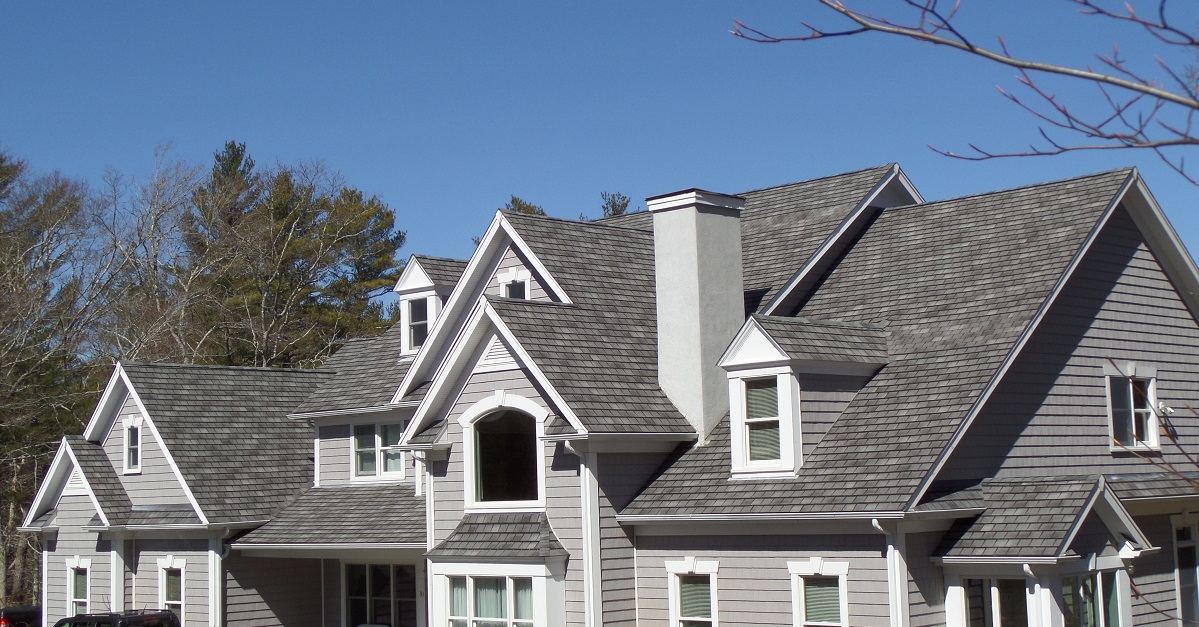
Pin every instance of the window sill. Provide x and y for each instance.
(504, 506)
(397, 478)
(131, 471)
(1139, 448)
(762, 473)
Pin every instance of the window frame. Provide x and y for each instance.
(1133, 371)
(471, 609)
(789, 421)
(417, 590)
(169, 563)
(128, 423)
(1097, 576)
(74, 564)
(501, 401)
(432, 309)
(380, 474)
(515, 275)
(818, 568)
(689, 566)
(1190, 522)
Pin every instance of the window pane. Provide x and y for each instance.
(419, 333)
(364, 437)
(1111, 601)
(458, 596)
(356, 580)
(405, 595)
(523, 606)
(79, 588)
(1140, 394)
(393, 461)
(978, 596)
(132, 462)
(763, 440)
(174, 584)
(1188, 583)
(1121, 410)
(761, 398)
(380, 581)
(418, 310)
(695, 596)
(491, 597)
(1013, 603)
(391, 434)
(506, 455)
(516, 289)
(366, 463)
(822, 600)
(357, 611)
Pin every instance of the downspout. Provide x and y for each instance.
(217, 552)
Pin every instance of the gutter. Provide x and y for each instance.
(250, 524)
(346, 412)
(242, 546)
(664, 519)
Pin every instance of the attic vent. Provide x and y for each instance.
(496, 357)
(75, 484)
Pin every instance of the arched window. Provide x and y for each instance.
(506, 457)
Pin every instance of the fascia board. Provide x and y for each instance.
(982, 399)
(350, 412)
(51, 484)
(241, 546)
(903, 179)
(166, 452)
(832, 240)
(1109, 503)
(542, 272)
(984, 560)
(486, 256)
(108, 406)
(413, 279)
(1082, 517)
(674, 519)
(1164, 243)
(751, 325)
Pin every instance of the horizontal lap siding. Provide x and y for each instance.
(1119, 306)
(621, 477)
(157, 483)
(512, 260)
(754, 584)
(73, 512)
(822, 398)
(926, 582)
(335, 454)
(144, 564)
(268, 591)
(1154, 599)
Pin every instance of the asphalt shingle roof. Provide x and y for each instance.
(1154, 485)
(228, 431)
(1024, 518)
(805, 339)
(509, 535)
(368, 514)
(955, 282)
(367, 373)
(102, 477)
(442, 270)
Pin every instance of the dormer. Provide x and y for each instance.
(423, 289)
(767, 363)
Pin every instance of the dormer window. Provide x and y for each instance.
(132, 444)
(376, 452)
(417, 313)
(514, 283)
(764, 409)
(762, 419)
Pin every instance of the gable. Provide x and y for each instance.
(514, 266)
(156, 483)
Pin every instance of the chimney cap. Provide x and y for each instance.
(693, 197)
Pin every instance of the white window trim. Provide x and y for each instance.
(380, 475)
(549, 592)
(499, 401)
(178, 563)
(1178, 521)
(126, 423)
(1132, 370)
(790, 429)
(432, 309)
(691, 565)
(85, 563)
(818, 567)
(515, 275)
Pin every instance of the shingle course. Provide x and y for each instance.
(509, 535)
(366, 374)
(372, 514)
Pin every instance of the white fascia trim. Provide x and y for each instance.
(413, 282)
(741, 337)
(1164, 243)
(54, 477)
(981, 401)
(671, 519)
(488, 250)
(836, 237)
(542, 272)
(95, 429)
(980, 560)
(1099, 488)
(240, 546)
(1123, 516)
(149, 422)
(350, 412)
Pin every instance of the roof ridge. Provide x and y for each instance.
(440, 258)
(932, 203)
(599, 222)
(819, 178)
(169, 364)
(870, 326)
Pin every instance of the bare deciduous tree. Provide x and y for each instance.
(1140, 111)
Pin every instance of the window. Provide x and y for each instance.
(1130, 405)
(515, 289)
(1090, 600)
(376, 450)
(996, 603)
(1186, 555)
(762, 419)
(132, 434)
(490, 601)
(818, 593)
(171, 592)
(514, 283)
(506, 457)
(418, 322)
(78, 586)
(693, 593)
(382, 594)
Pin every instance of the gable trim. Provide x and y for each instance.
(413, 279)
(56, 477)
(1027, 334)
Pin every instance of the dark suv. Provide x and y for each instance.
(132, 618)
(24, 616)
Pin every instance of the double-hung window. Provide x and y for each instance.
(1091, 600)
(418, 322)
(764, 415)
(172, 591)
(1186, 556)
(78, 583)
(383, 594)
(762, 419)
(131, 432)
(490, 601)
(376, 451)
(1133, 419)
(693, 601)
(996, 602)
(818, 592)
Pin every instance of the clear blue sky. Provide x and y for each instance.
(445, 109)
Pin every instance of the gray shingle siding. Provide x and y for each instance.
(1155, 601)
(73, 512)
(273, 591)
(926, 582)
(143, 563)
(510, 260)
(157, 483)
(621, 476)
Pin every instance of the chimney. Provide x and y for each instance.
(701, 305)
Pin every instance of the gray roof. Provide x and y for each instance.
(102, 477)
(1154, 485)
(956, 282)
(442, 270)
(367, 373)
(515, 535)
(818, 340)
(228, 431)
(1025, 518)
(366, 514)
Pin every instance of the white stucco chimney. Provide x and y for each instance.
(701, 305)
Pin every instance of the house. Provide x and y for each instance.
(823, 403)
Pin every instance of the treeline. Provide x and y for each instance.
(233, 265)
